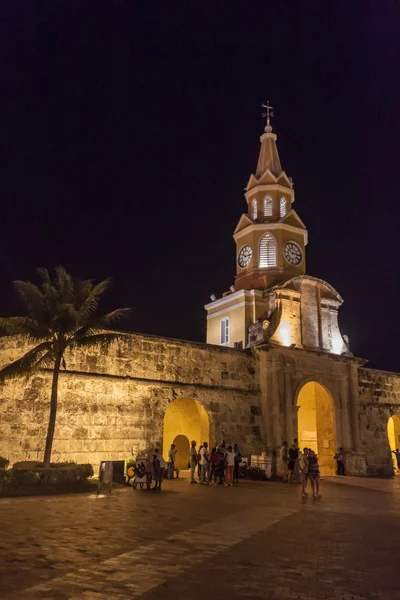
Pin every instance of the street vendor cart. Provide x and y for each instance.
(141, 473)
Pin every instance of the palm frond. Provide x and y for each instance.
(90, 304)
(112, 317)
(95, 340)
(82, 289)
(32, 297)
(65, 285)
(25, 364)
(48, 290)
(23, 326)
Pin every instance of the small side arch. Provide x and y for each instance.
(187, 418)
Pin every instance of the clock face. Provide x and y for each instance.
(244, 256)
(293, 253)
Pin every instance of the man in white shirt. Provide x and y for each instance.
(205, 464)
(171, 461)
(159, 468)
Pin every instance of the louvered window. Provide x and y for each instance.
(225, 330)
(268, 206)
(283, 207)
(254, 209)
(267, 251)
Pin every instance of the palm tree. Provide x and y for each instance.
(61, 314)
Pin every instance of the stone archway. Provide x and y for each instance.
(184, 418)
(393, 430)
(317, 424)
(182, 446)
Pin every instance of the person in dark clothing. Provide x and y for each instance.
(214, 465)
(313, 473)
(339, 457)
(293, 455)
(397, 455)
(238, 460)
(221, 464)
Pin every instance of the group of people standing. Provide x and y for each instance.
(220, 465)
(293, 466)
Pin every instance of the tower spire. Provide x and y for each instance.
(269, 157)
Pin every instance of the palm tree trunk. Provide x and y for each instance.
(53, 412)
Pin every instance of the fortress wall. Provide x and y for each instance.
(379, 400)
(112, 400)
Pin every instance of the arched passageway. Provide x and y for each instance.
(317, 424)
(185, 420)
(182, 446)
(393, 429)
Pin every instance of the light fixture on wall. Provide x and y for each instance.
(285, 335)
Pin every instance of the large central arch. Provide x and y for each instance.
(317, 424)
(185, 420)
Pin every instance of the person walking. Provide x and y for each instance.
(222, 463)
(238, 460)
(397, 455)
(193, 460)
(302, 462)
(230, 466)
(293, 455)
(313, 473)
(159, 468)
(214, 464)
(198, 462)
(339, 457)
(205, 464)
(282, 462)
(296, 464)
(171, 461)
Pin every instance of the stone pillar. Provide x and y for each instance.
(353, 385)
(344, 413)
(275, 401)
(266, 394)
(288, 406)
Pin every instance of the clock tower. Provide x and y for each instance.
(273, 301)
(270, 238)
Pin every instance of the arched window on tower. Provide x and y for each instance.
(254, 209)
(267, 251)
(225, 331)
(283, 207)
(268, 206)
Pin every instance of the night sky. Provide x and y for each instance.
(129, 130)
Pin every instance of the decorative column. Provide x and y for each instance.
(344, 412)
(276, 406)
(353, 385)
(288, 406)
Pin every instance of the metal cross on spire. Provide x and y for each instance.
(269, 112)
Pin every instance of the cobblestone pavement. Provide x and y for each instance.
(256, 540)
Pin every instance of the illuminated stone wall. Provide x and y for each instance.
(379, 400)
(112, 400)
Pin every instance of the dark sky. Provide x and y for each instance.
(129, 130)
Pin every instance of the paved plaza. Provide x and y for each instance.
(256, 540)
